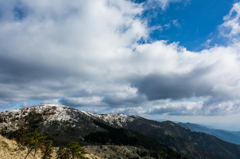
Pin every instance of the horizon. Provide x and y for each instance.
(160, 59)
(211, 126)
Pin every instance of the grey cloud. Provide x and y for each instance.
(131, 110)
(54, 52)
(208, 107)
(173, 111)
(218, 106)
(52, 101)
(82, 101)
(6, 104)
(111, 100)
(70, 103)
(175, 86)
(115, 101)
(75, 54)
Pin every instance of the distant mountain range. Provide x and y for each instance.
(229, 136)
(166, 139)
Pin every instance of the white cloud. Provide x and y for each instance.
(87, 52)
(68, 44)
(196, 108)
(51, 101)
(131, 111)
(231, 28)
(83, 101)
(98, 110)
(163, 3)
(207, 43)
(176, 23)
(25, 104)
(167, 26)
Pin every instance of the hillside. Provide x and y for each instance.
(10, 150)
(184, 141)
(63, 124)
(228, 136)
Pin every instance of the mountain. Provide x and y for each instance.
(229, 136)
(166, 139)
(184, 141)
(235, 133)
(63, 124)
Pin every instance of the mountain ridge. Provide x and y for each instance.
(63, 124)
(225, 135)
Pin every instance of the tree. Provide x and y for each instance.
(72, 150)
(21, 135)
(47, 149)
(63, 153)
(34, 142)
(76, 150)
(33, 119)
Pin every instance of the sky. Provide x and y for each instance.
(176, 60)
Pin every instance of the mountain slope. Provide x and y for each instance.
(227, 136)
(182, 140)
(63, 124)
(9, 149)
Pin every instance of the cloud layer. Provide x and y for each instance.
(88, 54)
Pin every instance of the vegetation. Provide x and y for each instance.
(35, 141)
(127, 137)
(10, 149)
(47, 149)
(135, 136)
(71, 151)
(30, 125)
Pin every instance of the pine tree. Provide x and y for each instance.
(34, 142)
(21, 135)
(71, 151)
(76, 150)
(47, 149)
(63, 153)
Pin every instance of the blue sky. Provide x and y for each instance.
(160, 59)
(191, 23)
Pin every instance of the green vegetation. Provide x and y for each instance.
(72, 150)
(34, 141)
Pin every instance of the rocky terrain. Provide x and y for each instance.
(9, 149)
(63, 124)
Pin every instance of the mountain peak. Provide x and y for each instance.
(64, 124)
